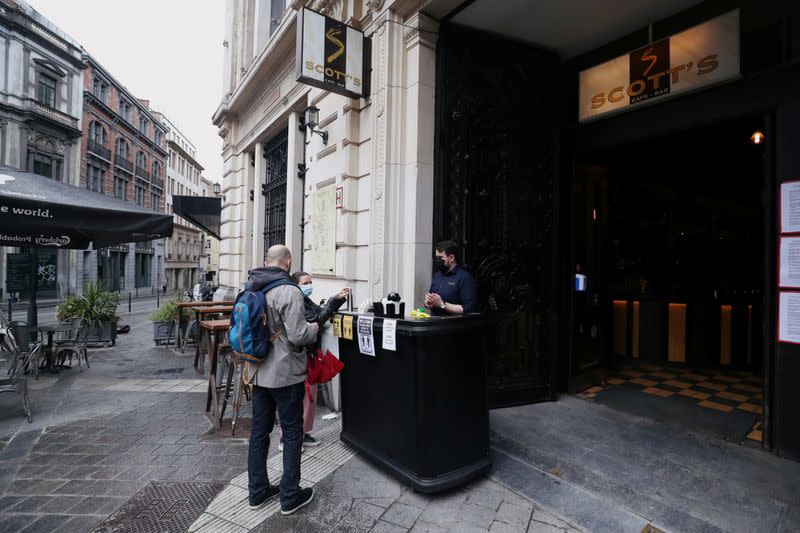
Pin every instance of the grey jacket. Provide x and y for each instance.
(286, 363)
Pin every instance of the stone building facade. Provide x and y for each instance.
(184, 248)
(378, 159)
(123, 155)
(41, 107)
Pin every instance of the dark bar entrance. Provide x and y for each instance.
(671, 322)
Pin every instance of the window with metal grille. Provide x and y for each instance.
(274, 190)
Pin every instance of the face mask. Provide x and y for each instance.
(307, 290)
(438, 262)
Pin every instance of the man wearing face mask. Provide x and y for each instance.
(453, 290)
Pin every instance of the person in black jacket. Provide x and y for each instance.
(318, 314)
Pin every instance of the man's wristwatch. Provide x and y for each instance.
(444, 305)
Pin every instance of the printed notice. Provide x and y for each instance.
(366, 341)
(790, 207)
(389, 334)
(789, 253)
(789, 317)
(347, 328)
(337, 326)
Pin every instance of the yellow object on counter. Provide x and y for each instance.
(416, 313)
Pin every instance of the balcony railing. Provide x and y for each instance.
(99, 150)
(124, 164)
(50, 113)
(158, 183)
(142, 173)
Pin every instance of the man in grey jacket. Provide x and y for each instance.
(279, 383)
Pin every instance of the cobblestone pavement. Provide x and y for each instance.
(100, 435)
(360, 498)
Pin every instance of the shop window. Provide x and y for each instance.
(44, 164)
(46, 90)
(143, 268)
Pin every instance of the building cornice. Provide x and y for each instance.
(22, 22)
(178, 148)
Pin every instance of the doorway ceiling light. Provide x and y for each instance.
(757, 137)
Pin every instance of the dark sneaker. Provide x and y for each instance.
(270, 493)
(304, 497)
(308, 440)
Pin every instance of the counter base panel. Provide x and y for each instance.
(424, 485)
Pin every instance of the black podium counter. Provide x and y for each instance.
(421, 411)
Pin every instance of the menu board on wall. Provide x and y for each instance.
(789, 263)
(789, 317)
(323, 230)
(790, 207)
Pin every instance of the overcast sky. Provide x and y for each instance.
(165, 51)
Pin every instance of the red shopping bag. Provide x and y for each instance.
(323, 368)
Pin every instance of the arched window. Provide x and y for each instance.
(97, 133)
(141, 160)
(123, 149)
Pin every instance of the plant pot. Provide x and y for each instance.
(163, 332)
(102, 333)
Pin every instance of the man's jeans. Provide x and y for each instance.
(289, 401)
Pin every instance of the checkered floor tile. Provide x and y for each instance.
(722, 390)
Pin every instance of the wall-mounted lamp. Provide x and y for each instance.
(757, 137)
(310, 120)
(216, 189)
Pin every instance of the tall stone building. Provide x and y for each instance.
(41, 110)
(124, 155)
(185, 246)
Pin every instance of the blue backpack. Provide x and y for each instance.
(249, 330)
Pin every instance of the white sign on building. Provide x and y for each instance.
(699, 57)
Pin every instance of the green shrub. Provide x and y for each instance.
(166, 312)
(95, 305)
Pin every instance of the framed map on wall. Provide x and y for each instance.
(323, 230)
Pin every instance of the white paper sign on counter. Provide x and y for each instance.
(366, 341)
(389, 334)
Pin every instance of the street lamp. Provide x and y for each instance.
(216, 189)
(309, 120)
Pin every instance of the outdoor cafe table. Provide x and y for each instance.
(183, 305)
(201, 312)
(51, 330)
(213, 330)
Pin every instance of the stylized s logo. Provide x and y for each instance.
(652, 58)
(332, 35)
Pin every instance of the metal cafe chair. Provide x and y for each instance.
(73, 342)
(27, 343)
(19, 385)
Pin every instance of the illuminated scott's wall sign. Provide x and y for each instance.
(698, 57)
(332, 55)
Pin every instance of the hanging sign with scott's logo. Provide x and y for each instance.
(332, 55)
(701, 56)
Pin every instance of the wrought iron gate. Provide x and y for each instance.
(274, 190)
(495, 192)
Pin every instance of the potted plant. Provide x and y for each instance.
(164, 321)
(97, 310)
